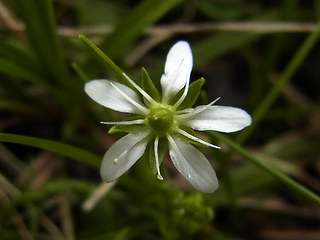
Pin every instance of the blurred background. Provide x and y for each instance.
(262, 56)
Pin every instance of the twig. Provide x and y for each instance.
(8, 19)
(161, 33)
(10, 161)
(278, 206)
(49, 225)
(172, 29)
(66, 219)
(260, 27)
(96, 196)
(144, 47)
(9, 191)
(17, 220)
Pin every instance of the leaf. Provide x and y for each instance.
(10, 68)
(57, 147)
(117, 71)
(17, 106)
(132, 25)
(222, 10)
(21, 56)
(203, 51)
(268, 168)
(40, 24)
(296, 61)
(82, 75)
(52, 187)
(222, 43)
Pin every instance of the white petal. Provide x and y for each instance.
(105, 93)
(193, 165)
(177, 69)
(219, 118)
(122, 155)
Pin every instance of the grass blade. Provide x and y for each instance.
(57, 147)
(285, 77)
(40, 25)
(297, 187)
(129, 29)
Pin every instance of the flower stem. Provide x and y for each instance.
(297, 187)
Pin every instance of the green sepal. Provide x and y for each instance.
(131, 128)
(134, 128)
(148, 85)
(117, 71)
(162, 149)
(193, 133)
(193, 94)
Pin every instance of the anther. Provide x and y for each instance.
(160, 177)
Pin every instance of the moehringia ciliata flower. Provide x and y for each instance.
(162, 119)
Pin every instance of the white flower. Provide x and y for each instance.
(163, 120)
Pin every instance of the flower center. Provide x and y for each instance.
(160, 120)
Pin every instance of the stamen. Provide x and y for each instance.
(160, 177)
(156, 148)
(115, 161)
(143, 93)
(183, 96)
(139, 106)
(197, 110)
(187, 135)
(138, 121)
(165, 98)
(184, 111)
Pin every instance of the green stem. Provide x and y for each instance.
(53, 146)
(286, 76)
(300, 189)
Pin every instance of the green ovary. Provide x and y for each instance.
(160, 120)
